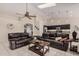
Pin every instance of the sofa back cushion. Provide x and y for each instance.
(16, 35)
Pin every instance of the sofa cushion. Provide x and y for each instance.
(58, 38)
(24, 40)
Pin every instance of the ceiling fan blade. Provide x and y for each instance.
(28, 17)
(31, 16)
(20, 15)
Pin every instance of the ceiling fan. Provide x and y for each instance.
(26, 14)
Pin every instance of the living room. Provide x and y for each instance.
(39, 24)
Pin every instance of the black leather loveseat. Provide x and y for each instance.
(18, 40)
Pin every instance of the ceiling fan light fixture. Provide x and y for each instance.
(46, 5)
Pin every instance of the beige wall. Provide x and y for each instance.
(8, 15)
(70, 20)
(18, 26)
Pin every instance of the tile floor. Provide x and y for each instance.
(5, 51)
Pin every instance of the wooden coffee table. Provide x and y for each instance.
(40, 47)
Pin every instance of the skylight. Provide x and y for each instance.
(46, 5)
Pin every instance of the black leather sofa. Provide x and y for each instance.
(17, 40)
(56, 44)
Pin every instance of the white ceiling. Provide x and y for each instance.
(61, 10)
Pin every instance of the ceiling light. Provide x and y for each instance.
(46, 5)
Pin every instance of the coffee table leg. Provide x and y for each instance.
(43, 51)
(28, 46)
(48, 48)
